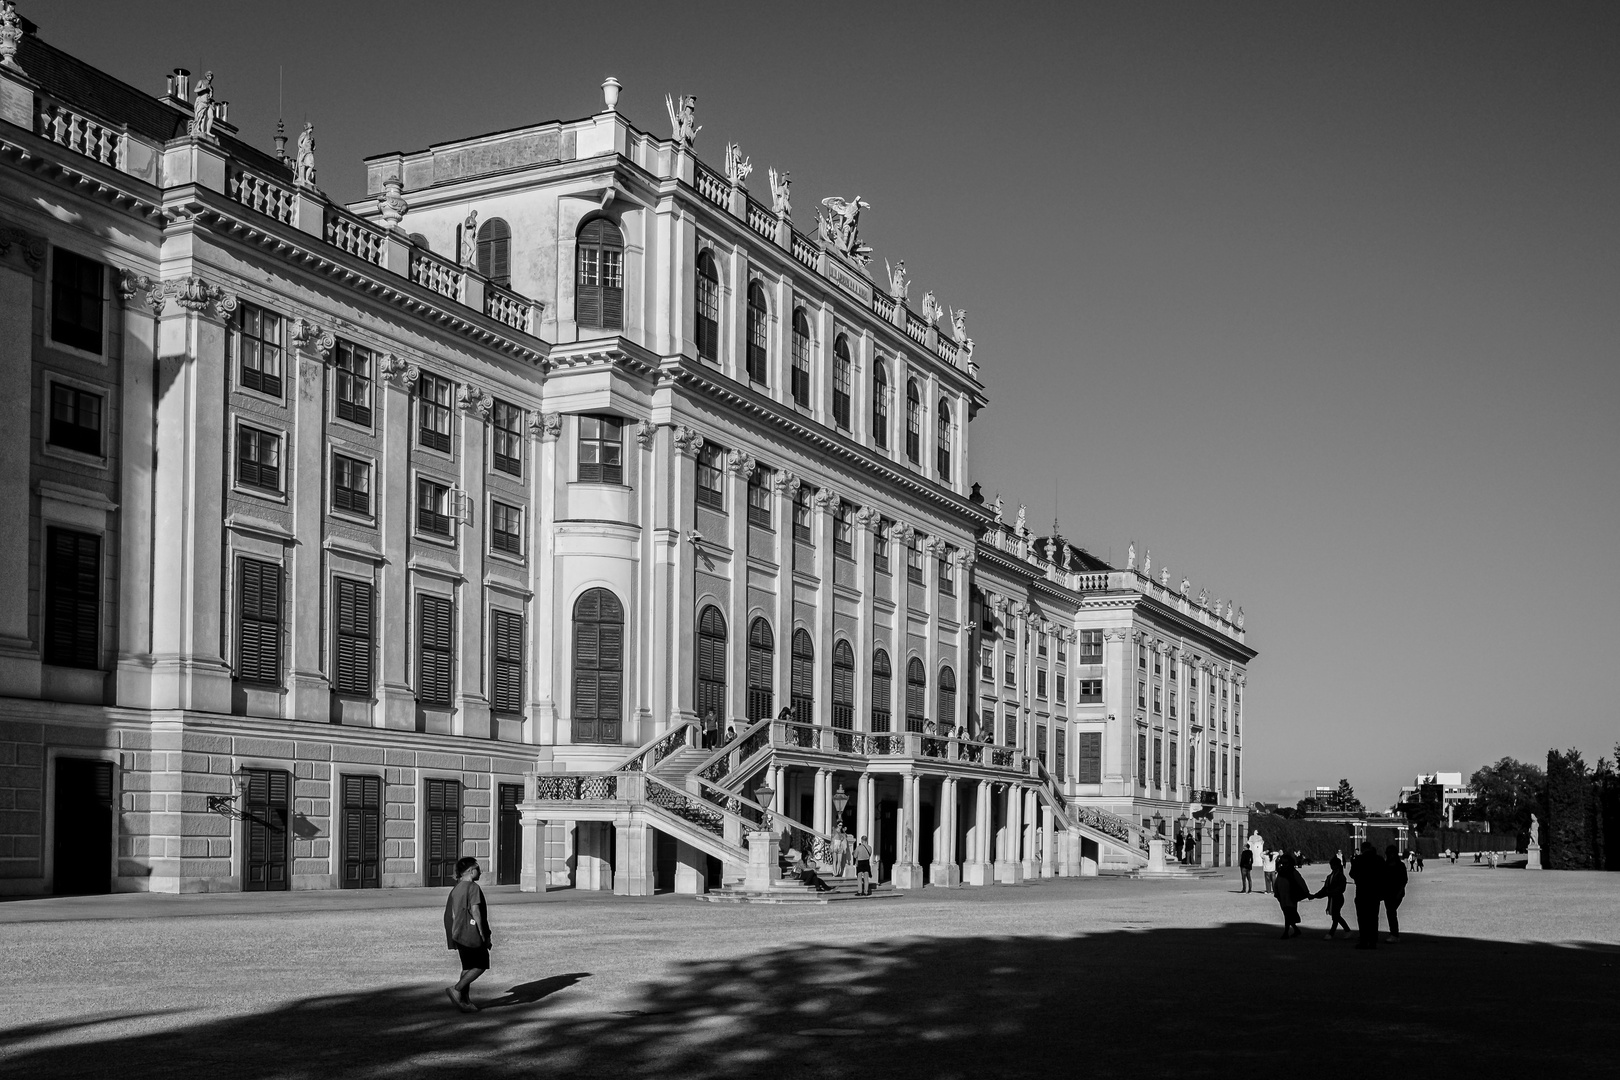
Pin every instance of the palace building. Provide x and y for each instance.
(561, 503)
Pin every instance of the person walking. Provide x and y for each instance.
(1394, 890)
(1246, 869)
(1333, 887)
(863, 868)
(1290, 890)
(1368, 872)
(466, 930)
(711, 730)
(1268, 869)
(1419, 860)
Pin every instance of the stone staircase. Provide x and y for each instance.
(1175, 871)
(674, 768)
(792, 892)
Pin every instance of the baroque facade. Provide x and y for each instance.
(363, 537)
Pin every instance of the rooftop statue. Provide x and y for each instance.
(995, 508)
(304, 165)
(11, 33)
(469, 240)
(202, 107)
(738, 168)
(1130, 556)
(1186, 587)
(1203, 598)
(779, 193)
(683, 119)
(1164, 577)
(1018, 526)
(899, 280)
(931, 310)
(1147, 565)
(840, 226)
(959, 325)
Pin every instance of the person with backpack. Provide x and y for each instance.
(863, 868)
(1246, 868)
(1268, 867)
(1394, 890)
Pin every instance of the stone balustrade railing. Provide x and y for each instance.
(82, 134)
(505, 306)
(356, 237)
(712, 186)
(916, 328)
(805, 250)
(883, 306)
(656, 749)
(441, 275)
(761, 220)
(261, 194)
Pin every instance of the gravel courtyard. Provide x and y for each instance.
(1498, 972)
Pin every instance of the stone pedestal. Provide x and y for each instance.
(531, 874)
(764, 855)
(1009, 873)
(691, 870)
(908, 875)
(946, 874)
(978, 873)
(1156, 856)
(1533, 857)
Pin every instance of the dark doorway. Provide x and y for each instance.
(362, 829)
(715, 872)
(807, 809)
(264, 831)
(509, 838)
(84, 827)
(925, 837)
(663, 862)
(443, 831)
(888, 837)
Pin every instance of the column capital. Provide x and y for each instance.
(474, 402)
(199, 297)
(33, 247)
(545, 426)
(739, 464)
(399, 372)
(646, 432)
(687, 441)
(307, 337)
(787, 484)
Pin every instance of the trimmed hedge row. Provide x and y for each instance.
(1318, 841)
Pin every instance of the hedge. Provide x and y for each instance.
(1318, 841)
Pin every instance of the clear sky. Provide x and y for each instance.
(1321, 303)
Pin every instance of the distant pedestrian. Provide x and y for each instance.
(1333, 887)
(1368, 872)
(1291, 889)
(466, 930)
(711, 730)
(840, 850)
(731, 732)
(1420, 862)
(1268, 869)
(1394, 890)
(863, 868)
(1246, 869)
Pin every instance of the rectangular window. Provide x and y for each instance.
(1224, 789)
(1141, 657)
(433, 412)
(1172, 703)
(1158, 700)
(801, 516)
(880, 547)
(1158, 763)
(1062, 648)
(1090, 690)
(1009, 673)
(1141, 759)
(987, 663)
(258, 622)
(1141, 694)
(1173, 776)
(75, 420)
(506, 426)
(72, 598)
(432, 508)
(914, 560)
(947, 572)
(841, 397)
(1040, 743)
(1088, 757)
(77, 295)
(258, 458)
(844, 531)
(351, 484)
(506, 529)
(1040, 644)
(759, 499)
(1091, 642)
(1158, 663)
(435, 627)
(507, 680)
(1040, 683)
(254, 342)
(1062, 690)
(710, 477)
(1060, 755)
(352, 624)
(601, 450)
(352, 383)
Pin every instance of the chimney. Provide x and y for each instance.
(180, 84)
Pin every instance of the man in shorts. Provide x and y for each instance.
(863, 868)
(466, 930)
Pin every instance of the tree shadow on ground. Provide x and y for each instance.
(1224, 1001)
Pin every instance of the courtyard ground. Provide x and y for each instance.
(1498, 973)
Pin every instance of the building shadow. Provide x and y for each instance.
(1224, 1001)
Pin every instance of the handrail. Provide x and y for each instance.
(723, 753)
(667, 742)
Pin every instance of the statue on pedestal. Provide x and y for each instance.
(780, 204)
(202, 107)
(683, 119)
(304, 164)
(469, 240)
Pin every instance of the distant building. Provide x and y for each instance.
(1454, 791)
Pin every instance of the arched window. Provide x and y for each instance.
(598, 667)
(599, 281)
(942, 452)
(882, 691)
(916, 687)
(913, 422)
(711, 663)
(841, 386)
(843, 688)
(495, 251)
(801, 358)
(707, 330)
(758, 334)
(880, 404)
(947, 697)
(804, 677)
(761, 679)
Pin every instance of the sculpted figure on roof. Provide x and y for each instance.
(899, 280)
(683, 119)
(840, 226)
(780, 204)
(738, 168)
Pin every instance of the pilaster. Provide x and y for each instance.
(472, 704)
(865, 646)
(309, 688)
(678, 659)
(541, 728)
(739, 468)
(396, 699)
(787, 486)
(136, 399)
(826, 570)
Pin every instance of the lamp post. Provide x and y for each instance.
(840, 800)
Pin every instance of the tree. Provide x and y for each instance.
(1307, 805)
(1345, 801)
(1570, 812)
(1507, 793)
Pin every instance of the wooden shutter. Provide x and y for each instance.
(882, 692)
(265, 867)
(362, 832)
(761, 679)
(916, 686)
(258, 620)
(353, 651)
(508, 675)
(509, 835)
(435, 684)
(72, 598)
(711, 663)
(843, 686)
(443, 831)
(803, 685)
(1089, 757)
(495, 251)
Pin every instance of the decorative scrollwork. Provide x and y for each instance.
(399, 371)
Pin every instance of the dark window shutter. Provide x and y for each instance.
(1089, 757)
(258, 620)
(436, 678)
(916, 684)
(508, 674)
(72, 598)
(353, 619)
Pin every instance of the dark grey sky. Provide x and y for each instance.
(1320, 303)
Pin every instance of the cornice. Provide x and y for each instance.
(89, 179)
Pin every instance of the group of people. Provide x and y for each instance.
(711, 731)
(846, 850)
(1380, 885)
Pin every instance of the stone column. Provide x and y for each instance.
(980, 865)
(866, 521)
(544, 428)
(1009, 865)
(945, 869)
(908, 872)
(136, 398)
(932, 551)
(865, 810)
(532, 875)
(593, 870)
(679, 660)
(309, 687)
(691, 870)
(188, 670)
(787, 486)
(825, 506)
(397, 701)
(739, 467)
(20, 673)
(1049, 851)
(472, 703)
(823, 802)
(634, 857)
